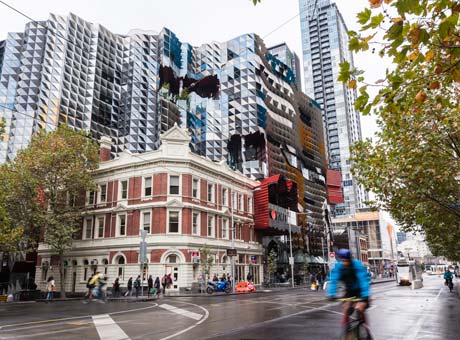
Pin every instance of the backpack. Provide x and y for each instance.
(136, 284)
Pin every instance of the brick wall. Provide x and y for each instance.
(186, 221)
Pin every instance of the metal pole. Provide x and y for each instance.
(322, 247)
(232, 258)
(291, 259)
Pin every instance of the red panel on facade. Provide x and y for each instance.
(334, 188)
(261, 203)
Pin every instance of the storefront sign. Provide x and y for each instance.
(253, 259)
(280, 218)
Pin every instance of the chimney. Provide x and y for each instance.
(105, 144)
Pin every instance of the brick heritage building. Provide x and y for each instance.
(182, 200)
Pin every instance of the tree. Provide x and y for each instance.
(272, 262)
(48, 180)
(207, 260)
(412, 164)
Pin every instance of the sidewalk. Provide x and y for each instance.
(260, 290)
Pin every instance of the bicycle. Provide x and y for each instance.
(97, 294)
(356, 327)
(450, 284)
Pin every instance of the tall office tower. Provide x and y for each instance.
(325, 46)
(290, 58)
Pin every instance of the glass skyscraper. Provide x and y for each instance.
(325, 46)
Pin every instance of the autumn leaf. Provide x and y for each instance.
(352, 84)
(398, 19)
(375, 3)
(429, 56)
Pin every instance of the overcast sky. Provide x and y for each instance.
(194, 21)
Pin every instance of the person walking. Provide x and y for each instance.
(215, 278)
(249, 277)
(157, 286)
(137, 285)
(116, 288)
(149, 285)
(50, 288)
(129, 292)
(164, 283)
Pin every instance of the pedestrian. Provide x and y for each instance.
(137, 285)
(249, 277)
(223, 278)
(215, 278)
(164, 283)
(150, 285)
(319, 280)
(129, 292)
(50, 288)
(157, 286)
(116, 288)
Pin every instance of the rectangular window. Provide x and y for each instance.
(210, 192)
(250, 207)
(102, 193)
(240, 202)
(100, 226)
(88, 234)
(224, 197)
(233, 200)
(147, 186)
(173, 221)
(121, 225)
(195, 188)
(225, 228)
(174, 185)
(146, 221)
(211, 227)
(196, 223)
(240, 231)
(123, 190)
(91, 197)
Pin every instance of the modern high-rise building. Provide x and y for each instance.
(239, 101)
(283, 53)
(325, 46)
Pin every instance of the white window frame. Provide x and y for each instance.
(88, 195)
(225, 228)
(118, 234)
(240, 229)
(240, 203)
(85, 225)
(143, 186)
(179, 185)
(197, 189)
(213, 230)
(96, 226)
(120, 189)
(141, 220)
(198, 223)
(225, 196)
(99, 193)
(234, 198)
(213, 192)
(179, 231)
(250, 205)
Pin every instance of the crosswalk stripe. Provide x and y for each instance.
(181, 311)
(108, 329)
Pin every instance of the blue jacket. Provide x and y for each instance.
(448, 275)
(356, 283)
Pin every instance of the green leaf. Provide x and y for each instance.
(364, 16)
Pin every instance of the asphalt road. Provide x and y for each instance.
(396, 313)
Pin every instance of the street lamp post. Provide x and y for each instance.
(291, 258)
(232, 258)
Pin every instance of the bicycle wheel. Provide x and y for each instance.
(350, 332)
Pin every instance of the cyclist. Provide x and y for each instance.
(357, 284)
(98, 281)
(448, 277)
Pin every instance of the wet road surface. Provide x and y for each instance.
(396, 313)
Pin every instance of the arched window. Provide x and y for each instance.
(120, 261)
(85, 270)
(105, 263)
(171, 259)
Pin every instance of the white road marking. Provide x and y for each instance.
(418, 326)
(184, 312)
(206, 315)
(108, 329)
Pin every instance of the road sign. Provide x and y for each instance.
(231, 252)
(291, 260)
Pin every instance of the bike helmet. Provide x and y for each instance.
(344, 254)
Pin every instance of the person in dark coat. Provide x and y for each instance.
(137, 285)
(129, 292)
(149, 285)
(157, 286)
(116, 287)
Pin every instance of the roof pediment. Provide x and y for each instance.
(176, 135)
